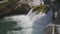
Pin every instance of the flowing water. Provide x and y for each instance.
(31, 23)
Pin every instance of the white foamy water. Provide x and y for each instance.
(31, 23)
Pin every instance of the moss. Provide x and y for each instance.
(40, 8)
(3, 5)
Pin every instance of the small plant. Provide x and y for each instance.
(41, 8)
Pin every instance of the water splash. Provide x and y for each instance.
(31, 23)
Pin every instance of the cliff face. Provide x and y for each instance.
(8, 8)
(5, 6)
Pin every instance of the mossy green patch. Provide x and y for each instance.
(3, 5)
(40, 8)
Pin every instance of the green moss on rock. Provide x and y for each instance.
(3, 5)
(40, 8)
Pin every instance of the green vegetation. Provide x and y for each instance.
(41, 8)
(3, 5)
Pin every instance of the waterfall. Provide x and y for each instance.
(40, 21)
(30, 13)
(31, 23)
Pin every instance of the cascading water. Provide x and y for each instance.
(40, 21)
(31, 23)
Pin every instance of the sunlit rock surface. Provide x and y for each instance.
(37, 2)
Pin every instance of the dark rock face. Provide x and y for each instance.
(57, 20)
(58, 1)
(48, 30)
(9, 9)
(24, 9)
(1, 0)
(47, 1)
